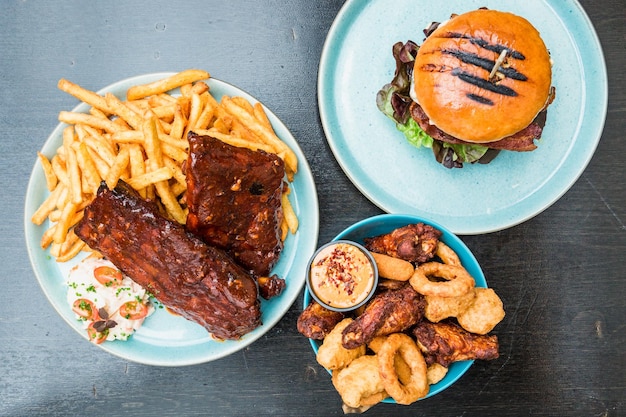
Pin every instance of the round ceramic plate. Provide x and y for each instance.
(386, 223)
(166, 339)
(357, 61)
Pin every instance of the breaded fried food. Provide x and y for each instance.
(359, 384)
(435, 373)
(485, 312)
(332, 355)
(316, 321)
(402, 368)
(439, 308)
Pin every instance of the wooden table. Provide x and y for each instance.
(560, 274)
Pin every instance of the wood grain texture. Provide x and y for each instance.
(560, 274)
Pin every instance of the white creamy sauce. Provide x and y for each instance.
(108, 300)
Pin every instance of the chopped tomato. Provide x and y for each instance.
(85, 308)
(96, 336)
(108, 276)
(133, 310)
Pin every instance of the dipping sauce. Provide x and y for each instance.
(110, 305)
(342, 275)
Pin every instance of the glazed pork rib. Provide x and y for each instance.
(197, 281)
(234, 199)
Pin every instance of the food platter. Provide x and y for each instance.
(386, 223)
(356, 62)
(166, 339)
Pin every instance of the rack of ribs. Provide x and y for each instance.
(234, 200)
(191, 278)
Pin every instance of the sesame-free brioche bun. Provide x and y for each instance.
(452, 82)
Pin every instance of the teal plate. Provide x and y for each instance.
(166, 339)
(356, 62)
(385, 223)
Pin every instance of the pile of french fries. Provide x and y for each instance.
(143, 141)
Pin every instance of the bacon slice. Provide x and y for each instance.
(522, 141)
(199, 282)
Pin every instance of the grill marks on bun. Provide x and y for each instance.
(482, 83)
(458, 88)
(487, 64)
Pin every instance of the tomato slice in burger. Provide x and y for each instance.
(95, 336)
(133, 310)
(85, 308)
(108, 276)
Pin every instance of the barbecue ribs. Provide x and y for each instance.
(234, 199)
(197, 281)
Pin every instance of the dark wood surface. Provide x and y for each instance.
(561, 274)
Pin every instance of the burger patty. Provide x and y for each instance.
(524, 140)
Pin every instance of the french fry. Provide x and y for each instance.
(123, 111)
(69, 251)
(289, 214)
(117, 169)
(199, 87)
(149, 178)
(73, 118)
(48, 172)
(47, 238)
(195, 111)
(88, 168)
(206, 116)
(155, 158)
(102, 149)
(261, 116)
(166, 84)
(83, 94)
(76, 190)
(64, 223)
(258, 128)
(236, 141)
(179, 123)
(143, 141)
(47, 207)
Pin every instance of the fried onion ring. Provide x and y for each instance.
(447, 255)
(457, 280)
(417, 386)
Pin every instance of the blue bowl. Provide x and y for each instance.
(386, 223)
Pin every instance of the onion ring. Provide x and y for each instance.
(458, 280)
(447, 255)
(417, 385)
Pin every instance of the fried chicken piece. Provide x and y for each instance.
(388, 312)
(415, 243)
(447, 342)
(316, 321)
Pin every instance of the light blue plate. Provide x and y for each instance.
(385, 223)
(165, 339)
(357, 61)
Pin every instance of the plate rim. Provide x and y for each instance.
(467, 225)
(121, 349)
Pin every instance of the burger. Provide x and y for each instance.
(480, 83)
